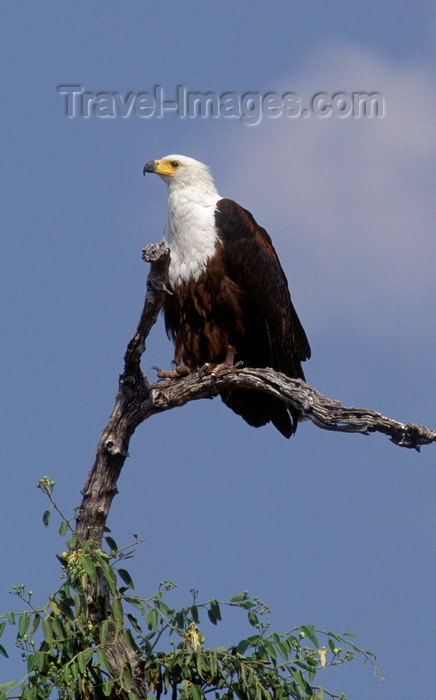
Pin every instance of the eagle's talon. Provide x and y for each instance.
(202, 371)
(182, 371)
(214, 369)
(159, 372)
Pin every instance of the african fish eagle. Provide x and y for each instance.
(228, 298)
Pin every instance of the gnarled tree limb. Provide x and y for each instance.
(326, 413)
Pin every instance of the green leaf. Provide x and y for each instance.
(242, 646)
(305, 664)
(90, 568)
(3, 651)
(332, 646)
(195, 692)
(126, 577)
(73, 668)
(301, 681)
(309, 631)
(199, 666)
(152, 619)
(136, 603)
(103, 631)
(81, 607)
(270, 649)
(111, 544)
(179, 620)
(311, 662)
(129, 641)
(71, 543)
(55, 607)
(28, 694)
(243, 677)
(66, 610)
(107, 688)
(134, 622)
(47, 630)
(58, 628)
(194, 613)
(10, 616)
(6, 686)
(2, 626)
(46, 517)
(103, 660)
(238, 598)
(261, 653)
(35, 624)
(166, 680)
(41, 662)
(23, 624)
(63, 528)
(31, 663)
(283, 649)
(213, 664)
(215, 607)
(110, 576)
(253, 619)
(163, 607)
(297, 676)
(84, 658)
(126, 676)
(117, 612)
(211, 616)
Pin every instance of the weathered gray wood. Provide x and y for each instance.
(326, 413)
(133, 391)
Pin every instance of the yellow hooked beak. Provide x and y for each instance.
(161, 167)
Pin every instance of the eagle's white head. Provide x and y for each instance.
(183, 173)
(190, 232)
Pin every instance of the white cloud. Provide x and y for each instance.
(350, 202)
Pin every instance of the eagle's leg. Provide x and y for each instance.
(214, 369)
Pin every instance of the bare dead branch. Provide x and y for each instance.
(133, 390)
(326, 413)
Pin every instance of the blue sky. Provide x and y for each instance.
(331, 530)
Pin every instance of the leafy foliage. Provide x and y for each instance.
(70, 644)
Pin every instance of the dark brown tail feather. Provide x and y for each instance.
(257, 409)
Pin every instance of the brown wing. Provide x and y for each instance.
(273, 334)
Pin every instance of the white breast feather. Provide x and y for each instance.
(190, 234)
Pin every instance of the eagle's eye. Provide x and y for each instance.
(174, 163)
